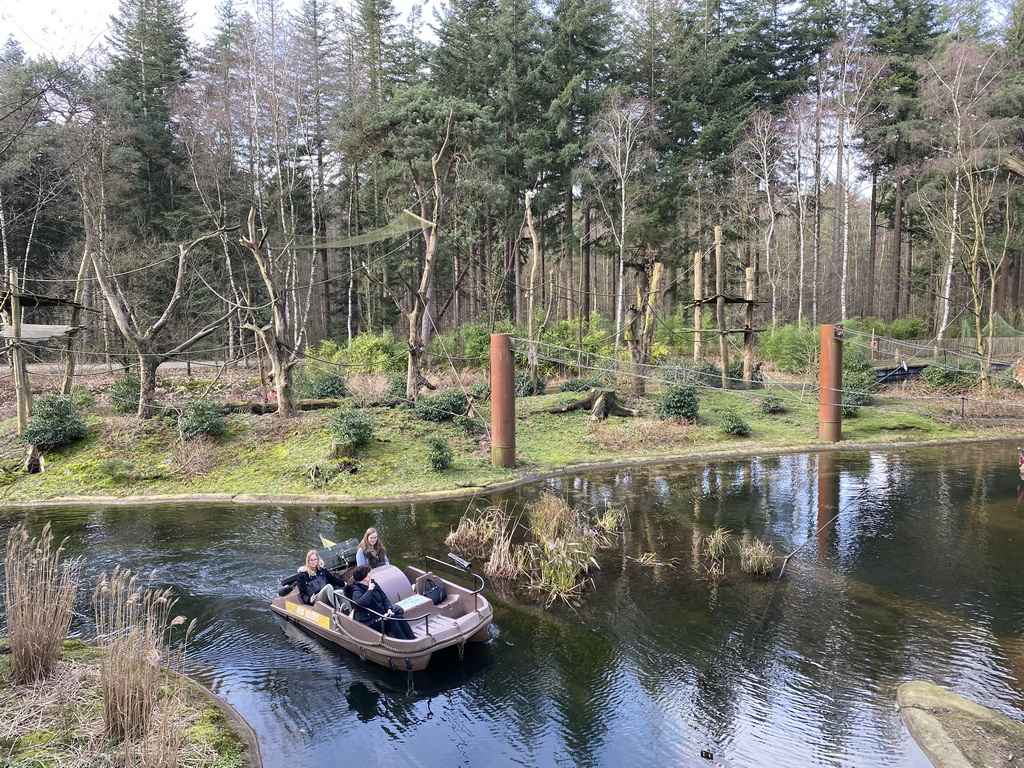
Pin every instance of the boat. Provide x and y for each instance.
(462, 616)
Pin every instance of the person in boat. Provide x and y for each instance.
(366, 596)
(371, 550)
(317, 583)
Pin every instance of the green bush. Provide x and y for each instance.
(201, 417)
(444, 406)
(771, 405)
(396, 386)
(858, 387)
(679, 402)
(83, 398)
(351, 425)
(947, 380)
(124, 395)
(375, 353)
(116, 471)
(792, 348)
(471, 426)
(324, 385)
(525, 388)
(439, 453)
(480, 390)
(706, 373)
(55, 420)
(733, 424)
(908, 328)
(736, 374)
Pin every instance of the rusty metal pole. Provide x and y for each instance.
(503, 402)
(830, 380)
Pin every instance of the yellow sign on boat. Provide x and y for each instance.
(308, 614)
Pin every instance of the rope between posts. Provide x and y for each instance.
(786, 559)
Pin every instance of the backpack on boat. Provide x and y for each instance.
(434, 591)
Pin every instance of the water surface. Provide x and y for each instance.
(908, 565)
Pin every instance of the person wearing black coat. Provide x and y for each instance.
(366, 596)
(317, 583)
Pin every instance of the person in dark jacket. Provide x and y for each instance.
(317, 583)
(366, 596)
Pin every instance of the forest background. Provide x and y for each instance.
(563, 163)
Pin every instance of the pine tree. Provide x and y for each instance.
(148, 65)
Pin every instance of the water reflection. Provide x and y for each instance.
(908, 567)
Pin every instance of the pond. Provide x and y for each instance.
(908, 566)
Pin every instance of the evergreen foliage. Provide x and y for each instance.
(124, 395)
(201, 417)
(439, 453)
(352, 425)
(55, 421)
(444, 406)
(733, 424)
(679, 402)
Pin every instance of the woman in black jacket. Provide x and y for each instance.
(367, 596)
(317, 583)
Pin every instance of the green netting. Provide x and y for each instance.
(1003, 330)
(405, 221)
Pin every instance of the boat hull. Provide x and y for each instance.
(463, 616)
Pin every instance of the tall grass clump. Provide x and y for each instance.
(756, 557)
(39, 593)
(138, 670)
(475, 532)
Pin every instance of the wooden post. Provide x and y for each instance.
(830, 384)
(698, 297)
(503, 402)
(748, 333)
(723, 342)
(22, 393)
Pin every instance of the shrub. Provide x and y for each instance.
(352, 425)
(323, 385)
(471, 426)
(792, 348)
(772, 404)
(376, 353)
(858, 386)
(733, 424)
(908, 328)
(116, 471)
(679, 402)
(124, 395)
(525, 387)
(55, 421)
(439, 453)
(706, 373)
(83, 398)
(481, 390)
(736, 374)
(396, 386)
(946, 379)
(201, 417)
(444, 406)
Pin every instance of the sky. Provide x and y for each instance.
(62, 28)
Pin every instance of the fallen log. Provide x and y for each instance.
(601, 403)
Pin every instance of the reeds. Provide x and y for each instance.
(40, 594)
(475, 533)
(133, 624)
(756, 557)
(709, 552)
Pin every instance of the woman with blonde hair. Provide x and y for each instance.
(317, 583)
(371, 550)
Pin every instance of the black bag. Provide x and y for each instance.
(434, 591)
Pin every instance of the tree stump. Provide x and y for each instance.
(342, 450)
(601, 403)
(34, 461)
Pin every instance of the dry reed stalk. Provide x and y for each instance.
(39, 594)
(552, 517)
(132, 623)
(505, 561)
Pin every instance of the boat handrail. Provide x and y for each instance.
(477, 576)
